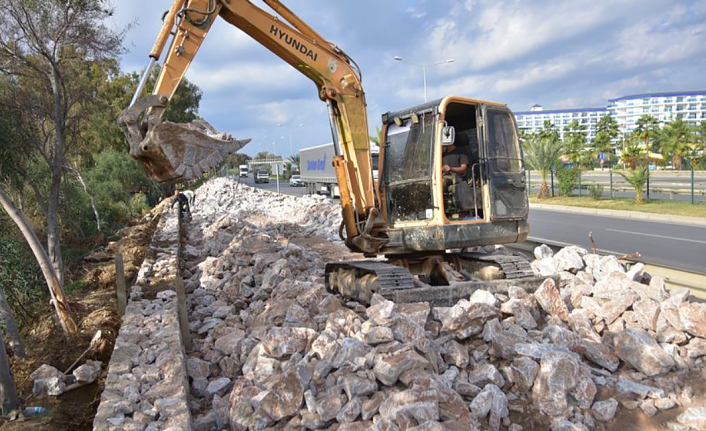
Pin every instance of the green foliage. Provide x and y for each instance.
(75, 287)
(596, 191)
(574, 141)
(647, 130)
(233, 161)
(677, 141)
(637, 178)
(606, 131)
(120, 188)
(375, 137)
(542, 152)
(20, 275)
(631, 152)
(568, 179)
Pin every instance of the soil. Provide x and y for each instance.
(94, 308)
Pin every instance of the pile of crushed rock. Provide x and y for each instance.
(275, 350)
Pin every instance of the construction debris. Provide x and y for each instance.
(273, 348)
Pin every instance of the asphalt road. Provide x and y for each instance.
(672, 245)
(272, 186)
(666, 244)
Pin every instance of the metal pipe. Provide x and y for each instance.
(334, 128)
(143, 81)
(692, 183)
(277, 175)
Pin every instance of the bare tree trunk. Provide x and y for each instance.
(90, 196)
(8, 391)
(53, 228)
(11, 330)
(57, 294)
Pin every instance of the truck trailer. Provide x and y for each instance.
(317, 173)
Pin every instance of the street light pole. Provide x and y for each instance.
(424, 70)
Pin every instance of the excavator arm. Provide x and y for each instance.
(336, 76)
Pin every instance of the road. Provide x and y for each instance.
(272, 186)
(665, 244)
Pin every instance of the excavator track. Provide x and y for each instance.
(359, 280)
(513, 266)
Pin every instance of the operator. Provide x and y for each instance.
(183, 202)
(455, 160)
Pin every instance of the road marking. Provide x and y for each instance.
(657, 236)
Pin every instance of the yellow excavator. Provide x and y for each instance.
(425, 225)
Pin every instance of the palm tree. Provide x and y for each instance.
(574, 141)
(542, 150)
(294, 159)
(676, 139)
(630, 151)
(637, 178)
(647, 126)
(376, 137)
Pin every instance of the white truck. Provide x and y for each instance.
(243, 171)
(316, 167)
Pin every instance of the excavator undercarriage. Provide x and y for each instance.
(440, 279)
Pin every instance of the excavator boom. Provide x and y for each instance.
(173, 152)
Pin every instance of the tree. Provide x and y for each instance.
(237, 159)
(574, 141)
(637, 178)
(647, 127)
(375, 137)
(294, 159)
(631, 153)
(676, 141)
(606, 132)
(542, 150)
(47, 53)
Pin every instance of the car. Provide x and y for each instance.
(296, 181)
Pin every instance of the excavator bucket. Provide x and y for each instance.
(174, 152)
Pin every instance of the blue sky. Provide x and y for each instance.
(560, 54)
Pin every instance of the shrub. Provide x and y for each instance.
(568, 179)
(596, 191)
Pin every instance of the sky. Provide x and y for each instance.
(559, 54)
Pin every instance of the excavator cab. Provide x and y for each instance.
(427, 209)
(436, 220)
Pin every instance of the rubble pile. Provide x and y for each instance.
(275, 350)
(146, 388)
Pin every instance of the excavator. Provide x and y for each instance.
(423, 229)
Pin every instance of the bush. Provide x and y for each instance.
(596, 191)
(568, 179)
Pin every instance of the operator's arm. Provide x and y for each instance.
(461, 170)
